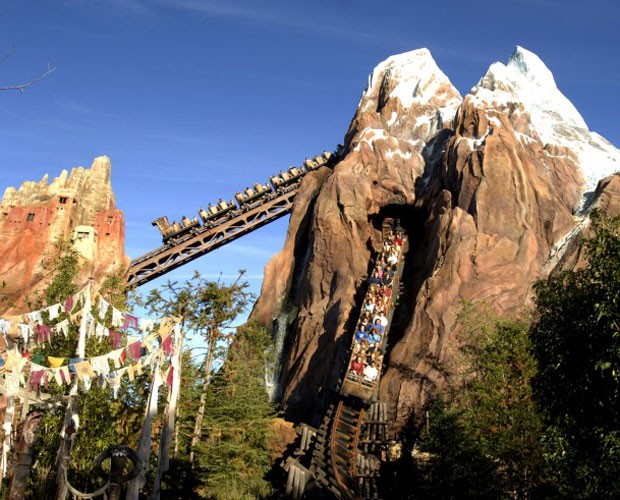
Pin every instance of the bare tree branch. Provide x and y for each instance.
(23, 86)
(8, 54)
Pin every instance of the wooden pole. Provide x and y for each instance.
(24, 455)
(71, 421)
(117, 465)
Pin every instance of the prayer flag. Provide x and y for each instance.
(55, 362)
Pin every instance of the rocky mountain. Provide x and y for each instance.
(79, 206)
(494, 189)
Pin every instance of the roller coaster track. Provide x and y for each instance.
(204, 239)
(335, 450)
(166, 258)
(344, 452)
(343, 443)
(353, 435)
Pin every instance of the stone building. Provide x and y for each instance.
(79, 205)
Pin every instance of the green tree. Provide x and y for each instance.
(576, 340)
(63, 265)
(209, 308)
(235, 453)
(104, 420)
(486, 438)
(450, 462)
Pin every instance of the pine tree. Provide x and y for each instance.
(208, 308)
(234, 454)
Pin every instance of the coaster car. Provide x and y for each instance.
(215, 213)
(171, 231)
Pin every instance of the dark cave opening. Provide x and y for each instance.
(412, 220)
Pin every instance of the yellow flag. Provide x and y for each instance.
(166, 326)
(84, 369)
(56, 362)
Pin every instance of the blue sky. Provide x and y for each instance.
(195, 99)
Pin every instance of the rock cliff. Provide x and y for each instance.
(492, 189)
(80, 206)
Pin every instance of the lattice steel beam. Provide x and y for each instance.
(190, 247)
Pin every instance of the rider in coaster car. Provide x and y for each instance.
(374, 337)
(361, 334)
(371, 372)
(378, 326)
(357, 366)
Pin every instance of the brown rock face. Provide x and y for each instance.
(484, 200)
(571, 252)
(494, 215)
(80, 206)
(327, 257)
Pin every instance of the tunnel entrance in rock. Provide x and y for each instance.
(417, 267)
(403, 213)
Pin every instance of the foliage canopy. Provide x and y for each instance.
(485, 435)
(576, 340)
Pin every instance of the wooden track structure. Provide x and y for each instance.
(344, 437)
(341, 458)
(206, 238)
(346, 451)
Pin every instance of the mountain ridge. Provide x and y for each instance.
(487, 191)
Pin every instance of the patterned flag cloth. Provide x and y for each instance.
(117, 317)
(55, 362)
(84, 369)
(117, 357)
(146, 324)
(103, 307)
(144, 447)
(42, 333)
(130, 321)
(174, 382)
(116, 338)
(7, 426)
(36, 378)
(135, 350)
(166, 345)
(100, 365)
(54, 311)
(62, 327)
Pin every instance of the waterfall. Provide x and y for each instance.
(274, 363)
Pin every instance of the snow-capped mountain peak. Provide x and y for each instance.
(415, 75)
(527, 80)
(530, 66)
(410, 97)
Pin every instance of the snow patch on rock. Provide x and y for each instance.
(526, 79)
(417, 80)
(369, 136)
